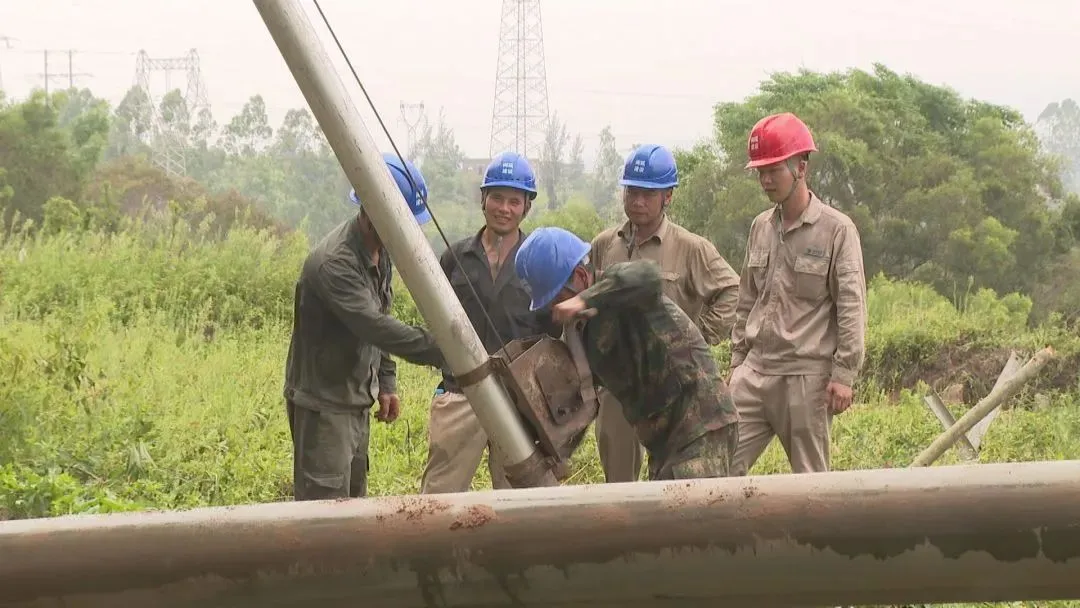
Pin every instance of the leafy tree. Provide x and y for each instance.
(249, 131)
(940, 187)
(606, 174)
(552, 173)
(42, 158)
(575, 167)
(440, 159)
(1059, 129)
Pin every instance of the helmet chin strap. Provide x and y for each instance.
(791, 164)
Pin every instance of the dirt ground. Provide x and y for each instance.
(975, 369)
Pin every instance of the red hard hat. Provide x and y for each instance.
(777, 138)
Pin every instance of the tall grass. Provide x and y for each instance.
(143, 370)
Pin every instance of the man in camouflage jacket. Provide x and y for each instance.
(643, 348)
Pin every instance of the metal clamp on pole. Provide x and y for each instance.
(412, 256)
(550, 384)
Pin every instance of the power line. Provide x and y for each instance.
(69, 75)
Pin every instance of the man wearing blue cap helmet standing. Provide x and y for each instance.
(456, 440)
(339, 363)
(643, 349)
(693, 275)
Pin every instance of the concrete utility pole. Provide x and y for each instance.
(976, 533)
(412, 256)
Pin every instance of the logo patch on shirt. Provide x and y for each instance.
(817, 252)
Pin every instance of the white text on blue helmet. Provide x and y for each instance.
(639, 166)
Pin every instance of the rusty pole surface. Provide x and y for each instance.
(413, 258)
(993, 532)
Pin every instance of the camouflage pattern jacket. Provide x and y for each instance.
(644, 349)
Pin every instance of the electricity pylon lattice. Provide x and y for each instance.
(169, 142)
(520, 113)
(411, 115)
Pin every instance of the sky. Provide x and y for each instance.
(650, 70)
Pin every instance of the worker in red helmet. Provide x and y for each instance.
(800, 322)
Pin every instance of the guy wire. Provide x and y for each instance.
(408, 176)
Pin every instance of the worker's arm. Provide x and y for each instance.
(344, 290)
(748, 293)
(634, 284)
(847, 286)
(388, 369)
(717, 284)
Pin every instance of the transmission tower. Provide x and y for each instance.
(169, 145)
(520, 113)
(411, 115)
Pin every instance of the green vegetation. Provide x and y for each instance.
(142, 369)
(144, 318)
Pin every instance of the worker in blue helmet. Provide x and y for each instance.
(642, 348)
(339, 366)
(696, 278)
(456, 440)
(415, 197)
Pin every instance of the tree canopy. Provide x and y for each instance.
(958, 193)
(954, 192)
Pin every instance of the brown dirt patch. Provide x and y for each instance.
(474, 517)
(415, 507)
(976, 369)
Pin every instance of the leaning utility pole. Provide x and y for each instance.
(412, 256)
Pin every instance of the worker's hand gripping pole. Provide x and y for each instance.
(409, 250)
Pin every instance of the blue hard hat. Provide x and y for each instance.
(416, 199)
(650, 166)
(512, 170)
(545, 261)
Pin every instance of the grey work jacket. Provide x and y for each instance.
(506, 298)
(343, 334)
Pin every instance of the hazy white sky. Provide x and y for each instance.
(650, 69)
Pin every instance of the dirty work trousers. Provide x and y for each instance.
(711, 455)
(330, 453)
(456, 443)
(621, 453)
(792, 408)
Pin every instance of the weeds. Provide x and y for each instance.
(143, 370)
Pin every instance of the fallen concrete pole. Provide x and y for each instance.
(412, 256)
(997, 532)
(1000, 393)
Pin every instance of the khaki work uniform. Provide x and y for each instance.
(339, 362)
(800, 324)
(456, 440)
(698, 279)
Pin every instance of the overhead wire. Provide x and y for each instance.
(408, 176)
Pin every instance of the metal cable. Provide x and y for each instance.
(371, 104)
